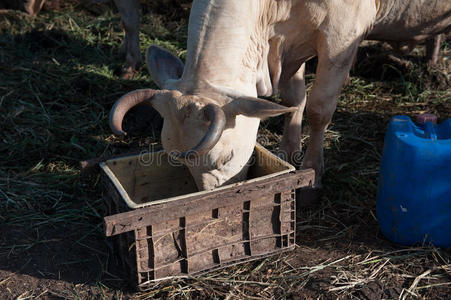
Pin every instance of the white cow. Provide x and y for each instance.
(239, 49)
(406, 23)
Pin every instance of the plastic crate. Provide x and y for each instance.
(165, 228)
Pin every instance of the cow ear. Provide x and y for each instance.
(255, 108)
(163, 65)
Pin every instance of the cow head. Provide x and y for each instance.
(213, 133)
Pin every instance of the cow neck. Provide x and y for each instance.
(220, 35)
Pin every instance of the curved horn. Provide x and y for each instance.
(217, 119)
(124, 104)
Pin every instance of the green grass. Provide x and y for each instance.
(58, 80)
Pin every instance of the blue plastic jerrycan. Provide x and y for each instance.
(414, 187)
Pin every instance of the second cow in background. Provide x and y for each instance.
(395, 27)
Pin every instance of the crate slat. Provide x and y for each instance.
(162, 212)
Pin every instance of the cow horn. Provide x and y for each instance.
(217, 119)
(124, 104)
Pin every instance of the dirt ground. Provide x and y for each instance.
(58, 80)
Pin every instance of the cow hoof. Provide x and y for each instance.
(308, 197)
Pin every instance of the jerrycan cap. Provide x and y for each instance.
(423, 118)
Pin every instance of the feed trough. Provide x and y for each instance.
(163, 227)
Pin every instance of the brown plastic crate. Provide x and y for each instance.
(165, 228)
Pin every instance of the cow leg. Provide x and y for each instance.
(292, 93)
(433, 49)
(330, 77)
(33, 7)
(129, 11)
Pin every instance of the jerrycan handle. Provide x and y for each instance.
(428, 121)
(429, 130)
